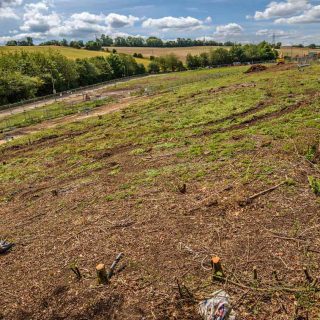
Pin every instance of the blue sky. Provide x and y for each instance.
(293, 21)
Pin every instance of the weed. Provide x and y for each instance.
(314, 185)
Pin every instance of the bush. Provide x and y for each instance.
(154, 67)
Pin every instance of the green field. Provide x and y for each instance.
(205, 163)
(70, 53)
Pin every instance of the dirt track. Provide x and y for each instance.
(75, 97)
(49, 124)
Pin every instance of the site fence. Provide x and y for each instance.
(61, 95)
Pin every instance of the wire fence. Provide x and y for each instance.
(63, 94)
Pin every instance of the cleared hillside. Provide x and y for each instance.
(196, 164)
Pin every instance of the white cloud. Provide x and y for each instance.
(4, 3)
(270, 33)
(312, 15)
(119, 21)
(282, 9)
(231, 29)
(178, 23)
(88, 17)
(8, 13)
(6, 10)
(37, 18)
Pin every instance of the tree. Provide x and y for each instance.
(64, 43)
(192, 62)
(12, 43)
(15, 86)
(154, 42)
(106, 41)
(104, 68)
(237, 54)
(29, 41)
(76, 44)
(154, 67)
(93, 45)
(120, 42)
(278, 45)
(220, 56)
(88, 72)
(251, 52)
(266, 52)
(117, 65)
(204, 59)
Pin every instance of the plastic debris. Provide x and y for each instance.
(5, 246)
(217, 307)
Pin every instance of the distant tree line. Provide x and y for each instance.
(237, 54)
(107, 41)
(167, 63)
(24, 43)
(24, 75)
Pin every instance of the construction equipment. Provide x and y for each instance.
(280, 59)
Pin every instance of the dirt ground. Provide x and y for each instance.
(167, 232)
(168, 236)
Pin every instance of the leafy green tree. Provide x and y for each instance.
(220, 56)
(154, 67)
(88, 72)
(237, 54)
(192, 62)
(266, 52)
(12, 43)
(251, 53)
(15, 86)
(106, 41)
(120, 42)
(117, 65)
(104, 68)
(93, 45)
(154, 42)
(204, 59)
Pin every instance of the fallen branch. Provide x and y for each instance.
(114, 265)
(259, 194)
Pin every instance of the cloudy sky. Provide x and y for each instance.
(292, 21)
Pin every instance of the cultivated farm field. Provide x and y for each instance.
(181, 53)
(171, 170)
(297, 52)
(70, 53)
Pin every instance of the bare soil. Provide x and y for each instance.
(167, 236)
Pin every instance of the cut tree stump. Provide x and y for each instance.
(255, 273)
(218, 273)
(102, 274)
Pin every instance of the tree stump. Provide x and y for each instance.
(255, 273)
(218, 273)
(102, 274)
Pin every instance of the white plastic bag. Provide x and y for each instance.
(217, 307)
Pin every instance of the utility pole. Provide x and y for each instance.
(274, 38)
